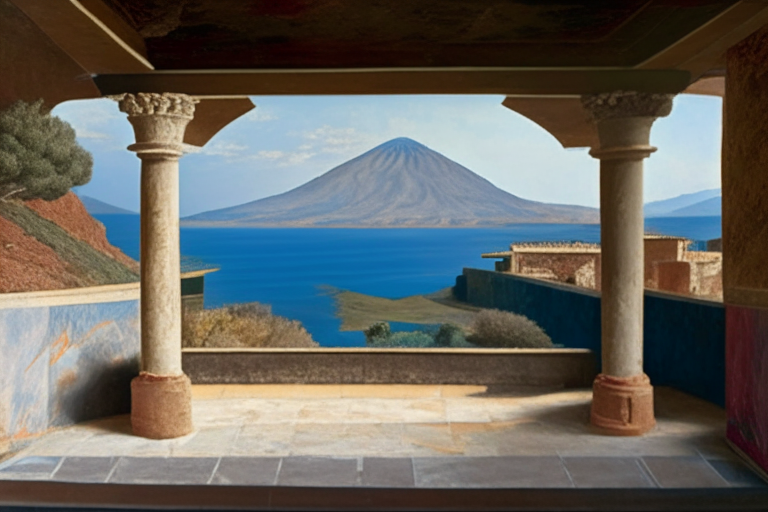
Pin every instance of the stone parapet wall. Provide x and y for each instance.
(684, 338)
(562, 368)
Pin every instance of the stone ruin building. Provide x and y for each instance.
(669, 265)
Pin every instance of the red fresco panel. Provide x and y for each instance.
(746, 381)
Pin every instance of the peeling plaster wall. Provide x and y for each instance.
(65, 364)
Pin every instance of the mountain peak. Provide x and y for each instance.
(401, 143)
(400, 183)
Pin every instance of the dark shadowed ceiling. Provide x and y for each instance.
(231, 34)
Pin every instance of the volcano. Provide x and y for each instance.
(400, 183)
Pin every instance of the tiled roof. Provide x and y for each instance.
(191, 264)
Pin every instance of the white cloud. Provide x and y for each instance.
(225, 149)
(300, 157)
(259, 116)
(283, 158)
(270, 155)
(339, 140)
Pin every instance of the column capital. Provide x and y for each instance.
(159, 121)
(624, 120)
(622, 104)
(152, 103)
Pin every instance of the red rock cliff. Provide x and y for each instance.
(26, 264)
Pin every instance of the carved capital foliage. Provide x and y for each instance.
(151, 103)
(617, 104)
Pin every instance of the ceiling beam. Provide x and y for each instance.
(702, 49)
(90, 33)
(507, 81)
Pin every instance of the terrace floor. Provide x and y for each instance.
(332, 437)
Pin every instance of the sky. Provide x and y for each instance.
(288, 140)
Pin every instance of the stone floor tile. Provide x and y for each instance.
(388, 472)
(683, 472)
(590, 444)
(264, 440)
(85, 469)
(348, 440)
(523, 437)
(207, 391)
(450, 391)
(318, 471)
(390, 391)
(324, 411)
(712, 446)
(603, 472)
(209, 442)
(303, 391)
(495, 472)
(158, 470)
(467, 410)
(246, 471)
(119, 445)
(59, 442)
(32, 466)
(737, 474)
(431, 439)
(397, 411)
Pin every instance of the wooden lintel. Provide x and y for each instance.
(90, 33)
(702, 49)
(396, 81)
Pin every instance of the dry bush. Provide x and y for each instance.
(249, 325)
(494, 328)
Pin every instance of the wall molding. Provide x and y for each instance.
(749, 297)
(71, 296)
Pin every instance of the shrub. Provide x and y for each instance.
(242, 325)
(39, 155)
(415, 339)
(379, 335)
(450, 335)
(494, 328)
(379, 330)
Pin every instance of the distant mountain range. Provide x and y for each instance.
(400, 183)
(698, 204)
(96, 207)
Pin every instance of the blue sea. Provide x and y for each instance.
(290, 268)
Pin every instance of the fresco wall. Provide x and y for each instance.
(747, 381)
(65, 364)
(684, 338)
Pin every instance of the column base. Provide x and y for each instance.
(161, 406)
(622, 406)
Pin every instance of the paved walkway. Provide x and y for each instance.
(396, 436)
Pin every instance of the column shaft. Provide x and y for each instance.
(621, 228)
(160, 266)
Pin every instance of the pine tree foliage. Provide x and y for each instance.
(39, 155)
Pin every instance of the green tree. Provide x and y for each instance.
(39, 155)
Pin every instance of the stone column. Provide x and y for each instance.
(161, 402)
(622, 401)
